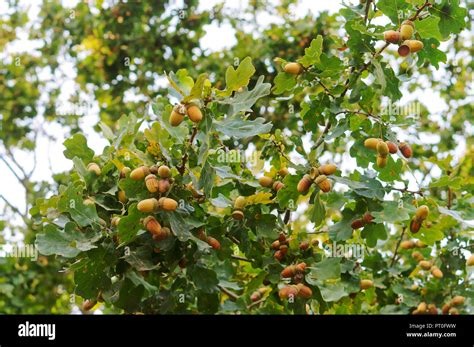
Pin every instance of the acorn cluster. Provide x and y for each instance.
(192, 110)
(274, 182)
(258, 294)
(424, 308)
(361, 222)
(280, 246)
(211, 241)
(403, 38)
(449, 308)
(318, 176)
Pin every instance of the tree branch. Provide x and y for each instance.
(15, 209)
(367, 9)
(230, 294)
(421, 8)
(396, 248)
(238, 257)
(321, 137)
(182, 167)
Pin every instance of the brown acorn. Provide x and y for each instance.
(151, 183)
(453, 311)
(417, 256)
(148, 205)
(403, 50)
(275, 245)
(366, 284)
(436, 272)
(284, 249)
(357, 223)
(214, 243)
(304, 245)
(255, 296)
(125, 172)
(392, 148)
(293, 68)
(265, 181)
(237, 215)
(413, 45)
(283, 171)
(327, 169)
(301, 267)
(282, 237)
(87, 305)
(279, 255)
(392, 36)
(164, 171)
(407, 244)
(405, 149)
(323, 183)
(194, 113)
(288, 271)
(304, 184)
(177, 115)
(167, 204)
(457, 300)
(420, 244)
(445, 308)
(163, 234)
(139, 173)
(415, 226)
(425, 265)
(122, 197)
(422, 307)
(152, 225)
(470, 260)
(382, 149)
(163, 186)
(93, 167)
(278, 185)
(422, 212)
(367, 218)
(304, 292)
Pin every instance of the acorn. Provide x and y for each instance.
(151, 183)
(125, 172)
(288, 271)
(167, 204)
(445, 308)
(304, 292)
(403, 50)
(422, 307)
(194, 113)
(237, 215)
(425, 265)
(293, 68)
(283, 171)
(148, 205)
(240, 203)
(115, 221)
(214, 243)
(413, 45)
(304, 184)
(407, 244)
(164, 171)
(93, 167)
(88, 202)
(327, 169)
(381, 161)
(470, 260)
(177, 115)
(382, 149)
(277, 186)
(323, 183)
(301, 267)
(275, 245)
(405, 149)
(366, 284)
(278, 255)
(163, 186)
(453, 311)
(139, 173)
(415, 226)
(284, 249)
(282, 237)
(436, 272)
(255, 296)
(422, 212)
(87, 305)
(265, 181)
(371, 143)
(406, 30)
(122, 197)
(357, 223)
(304, 246)
(367, 218)
(152, 225)
(417, 256)
(163, 234)
(314, 173)
(457, 300)
(392, 36)
(392, 148)
(420, 244)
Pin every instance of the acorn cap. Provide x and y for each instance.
(238, 214)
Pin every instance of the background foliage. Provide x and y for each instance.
(119, 54)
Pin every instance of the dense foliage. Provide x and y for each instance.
(249, 218)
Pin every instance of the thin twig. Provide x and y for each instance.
(367, 8)
(398, 245)
(421, 8)
(321, 137)
(256, 303)
(230, 294)
(182, 168)
(15, 209)
(238, 257)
